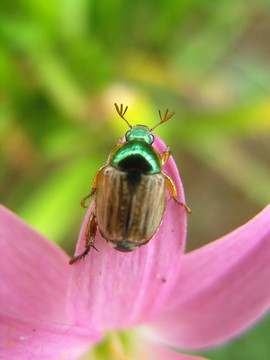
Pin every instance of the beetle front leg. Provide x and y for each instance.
(94, 186)
(173, 192)
(90, 234)
(165, 155)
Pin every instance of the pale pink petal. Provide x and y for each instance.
(34, 340)
(110, 289)
(34, 275)
(157, 351)
(222, 288)
(34, 272)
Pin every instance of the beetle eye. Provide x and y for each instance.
(151, 138)
(127, 135)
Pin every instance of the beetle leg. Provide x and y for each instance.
(90, 234)
(173, 192)
(165, 155)
(94, 186)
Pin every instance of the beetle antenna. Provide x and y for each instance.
(163, 119)
(121, 112)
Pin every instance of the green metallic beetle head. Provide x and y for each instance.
(140, 132)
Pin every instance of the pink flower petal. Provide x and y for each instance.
(34, 276)
(110, 289)
(157, 351)
(34, 271)
(222, 288)
(31, 340)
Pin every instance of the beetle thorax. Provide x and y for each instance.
(136, 156)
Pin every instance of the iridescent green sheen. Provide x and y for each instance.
(136, 156)
(140, 132)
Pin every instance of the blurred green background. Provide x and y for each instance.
(64, 63)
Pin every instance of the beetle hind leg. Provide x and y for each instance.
(89, 239)
(173, 192)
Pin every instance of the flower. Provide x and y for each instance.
(51, 310)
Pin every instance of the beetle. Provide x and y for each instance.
(130, 191)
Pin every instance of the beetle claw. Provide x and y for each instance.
(82, 255)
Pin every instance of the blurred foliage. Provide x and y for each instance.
(251, 346)
(64, 63)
